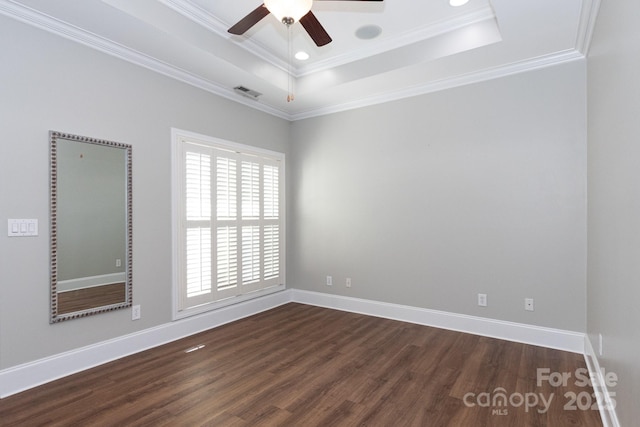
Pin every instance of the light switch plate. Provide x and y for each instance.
(22, 227)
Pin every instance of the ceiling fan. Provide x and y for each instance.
(288, 12)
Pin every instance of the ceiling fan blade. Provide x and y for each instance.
(315, 29)
(250, 20)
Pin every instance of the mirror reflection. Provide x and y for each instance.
(90, 226)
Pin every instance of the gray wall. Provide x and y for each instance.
(431, 200)
(47, 82)
(614, 199)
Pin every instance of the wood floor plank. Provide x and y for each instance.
(299, 365)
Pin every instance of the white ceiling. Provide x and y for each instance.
(425, 45)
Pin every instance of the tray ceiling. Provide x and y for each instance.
(422, 46)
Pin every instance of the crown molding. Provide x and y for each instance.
(449, 83)
(45, 22)
(587, 24)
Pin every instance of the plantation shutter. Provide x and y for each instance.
(232, 225)
(271, 229)
(198, 221)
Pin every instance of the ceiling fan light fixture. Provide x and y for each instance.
(288, 11)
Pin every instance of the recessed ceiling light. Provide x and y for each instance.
(302, 56)
(456, 3)
(368, 32)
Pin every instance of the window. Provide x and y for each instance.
(229, 222)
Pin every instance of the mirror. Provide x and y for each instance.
(90, 226)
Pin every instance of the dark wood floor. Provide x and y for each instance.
(299, 365)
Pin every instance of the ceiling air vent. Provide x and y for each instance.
(249, 93)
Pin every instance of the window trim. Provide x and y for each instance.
(177, 138)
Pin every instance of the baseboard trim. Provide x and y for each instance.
(23, 377)
(606, 406)
(517, 332)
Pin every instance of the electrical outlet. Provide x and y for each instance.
(348, 282)
(528, 304)
(329, 281)
(135, 312)
(118, 262)
(482, 300)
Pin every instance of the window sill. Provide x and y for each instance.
(204, 308)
